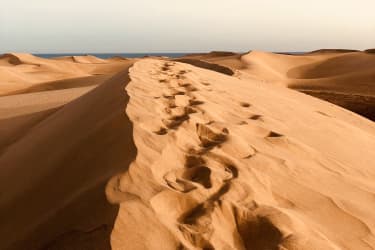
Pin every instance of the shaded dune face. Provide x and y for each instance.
(10, 59)
(207, 65)
(55, 165)
(224, 163)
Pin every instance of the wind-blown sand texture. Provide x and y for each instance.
(167, 155)
(343, 77)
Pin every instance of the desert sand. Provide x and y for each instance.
(343, 77)
(210, 151)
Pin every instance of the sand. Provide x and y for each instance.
(343, 77)
(24, 73)
(214, 151)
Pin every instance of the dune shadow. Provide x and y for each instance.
(67, 208)
(206, 65)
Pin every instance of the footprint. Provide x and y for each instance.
(322, 113)
(274, 134)
(161, 131)
(245, 104)
(210, 136)
(168, 64)
(191, 88)
(168, 96)
(170, 103)
(178, 92)
(193, 159)
(176, 116)
(186, 180)
(179, 185)
(257, 230)
(232, 170)
(255, 117)
(223, 164)
(172, 92)
(175, 121)
(206, 83)
(184, 84)
(195, 235)
(194, 102)
(199, 175)
(194, 216)
(178, 113)
(242, 123)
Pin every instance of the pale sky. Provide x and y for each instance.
(75, 26)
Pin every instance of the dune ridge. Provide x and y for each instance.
(222, 164)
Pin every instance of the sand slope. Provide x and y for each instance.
(343, 77)
(225, 163)
(54, 168)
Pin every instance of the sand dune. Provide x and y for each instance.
(224, 163)
(81, 59)
(57, 171)
(204, 152)
(322, 51)
(20, 73)
(343, 77)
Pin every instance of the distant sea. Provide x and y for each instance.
(108, 55)
(133, 55)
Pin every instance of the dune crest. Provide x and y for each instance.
(9, 59)
(20, 58)
(225, 163)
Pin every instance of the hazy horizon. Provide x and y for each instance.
(166, 26)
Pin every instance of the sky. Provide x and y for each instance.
(83, 26)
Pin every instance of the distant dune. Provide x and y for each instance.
(82, 59)
(208, 151)
(370, 51)
(21, 72)
(323, 51)
(343, 77)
